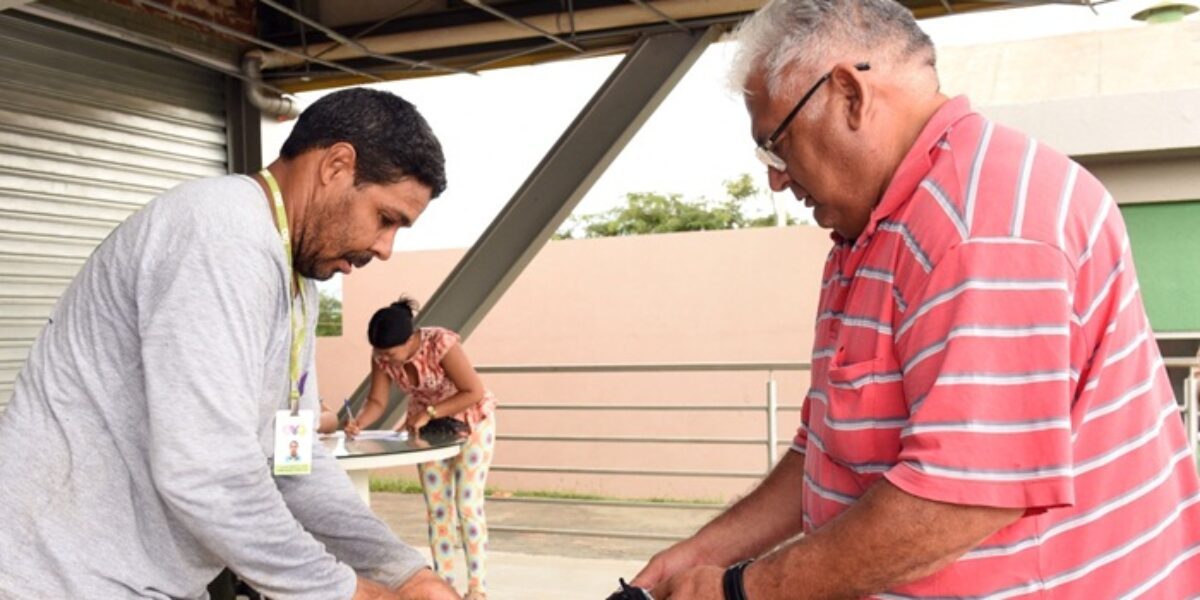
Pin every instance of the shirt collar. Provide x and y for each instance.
(916, 164)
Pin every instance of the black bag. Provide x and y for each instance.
(628, 592)
(445, 427)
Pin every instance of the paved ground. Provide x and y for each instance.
(535, 566)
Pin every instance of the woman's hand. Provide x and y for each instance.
(419, 421)
(401, 422)
(352, 429)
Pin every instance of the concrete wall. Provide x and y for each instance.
(1124, 103)
(726, 296)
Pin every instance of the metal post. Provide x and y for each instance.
(772, 421)
(243, 129)
(1190, 411)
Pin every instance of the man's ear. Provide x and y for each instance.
(851, 85)
(338, 161)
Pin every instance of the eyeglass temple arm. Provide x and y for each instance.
(862, 66)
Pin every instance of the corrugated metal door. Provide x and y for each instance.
(90, 130)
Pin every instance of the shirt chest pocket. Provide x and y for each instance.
(863, 414)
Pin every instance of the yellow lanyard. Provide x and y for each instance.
(298, 328)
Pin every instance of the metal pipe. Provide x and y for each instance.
(646, 367)
(518, 54)
(521, 23)
(1192, 413)
(251, 39)
(590, 439)
(595, 471)
(772, 423)
(696, 24)
(605, 18)
(661, 14)
(337, 37)
(138, 39)
(596, 19)
(283, 107)
(658, 407)
(633, 535)
(376, 25)
(610, 503)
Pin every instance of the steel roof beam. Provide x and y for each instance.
(520, 23)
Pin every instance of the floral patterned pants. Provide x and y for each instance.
(454, 491)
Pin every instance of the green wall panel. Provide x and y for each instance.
(1166, 248)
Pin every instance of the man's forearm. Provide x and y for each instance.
(771, 514)
(887, 539)
(327, 507)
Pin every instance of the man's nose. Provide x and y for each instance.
(778, 180)
(383, 245)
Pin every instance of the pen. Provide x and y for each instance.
(349, 414)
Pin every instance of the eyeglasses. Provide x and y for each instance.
(765, 152)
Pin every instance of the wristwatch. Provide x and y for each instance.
(431, 411)
(731, 583)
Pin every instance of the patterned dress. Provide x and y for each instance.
(454, 487)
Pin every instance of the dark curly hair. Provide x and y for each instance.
(390, 137)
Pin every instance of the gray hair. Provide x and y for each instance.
(808, 33)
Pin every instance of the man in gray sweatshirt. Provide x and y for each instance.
(136, 456)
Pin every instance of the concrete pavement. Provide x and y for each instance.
(525, 566)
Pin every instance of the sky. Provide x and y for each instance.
(496, 126)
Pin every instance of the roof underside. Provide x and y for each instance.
(315, 44)
(443, 36)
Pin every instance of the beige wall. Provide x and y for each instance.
(1125, 103)
(726, 296)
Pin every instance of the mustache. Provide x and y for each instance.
(359, 259)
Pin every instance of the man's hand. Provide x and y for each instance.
(666, 564)
(697, 583)
(369, 590)
(426, 585)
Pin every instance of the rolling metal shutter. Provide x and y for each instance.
(90, 130)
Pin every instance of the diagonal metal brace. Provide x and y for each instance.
(598, 134)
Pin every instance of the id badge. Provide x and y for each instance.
(293, 442)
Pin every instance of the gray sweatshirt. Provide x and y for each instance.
(135, 456)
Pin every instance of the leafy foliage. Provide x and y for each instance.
(329, 322)
(650, 212)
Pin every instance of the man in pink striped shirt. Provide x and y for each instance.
(989, 415)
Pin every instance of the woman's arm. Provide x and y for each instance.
(470, 388)
(328, 421)
(377, 398)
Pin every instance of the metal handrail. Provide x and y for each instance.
(633, 535)
(646, 367)
(610, 503)
(1189, 408)
(1189, 404)
(660, 407)
(771, 407)
(637, 472)
(627, 439)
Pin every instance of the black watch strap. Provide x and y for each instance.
(732, 582)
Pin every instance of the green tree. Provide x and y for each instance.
(649, 212)
(329, 321)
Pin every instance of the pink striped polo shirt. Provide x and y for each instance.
(983, 342)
